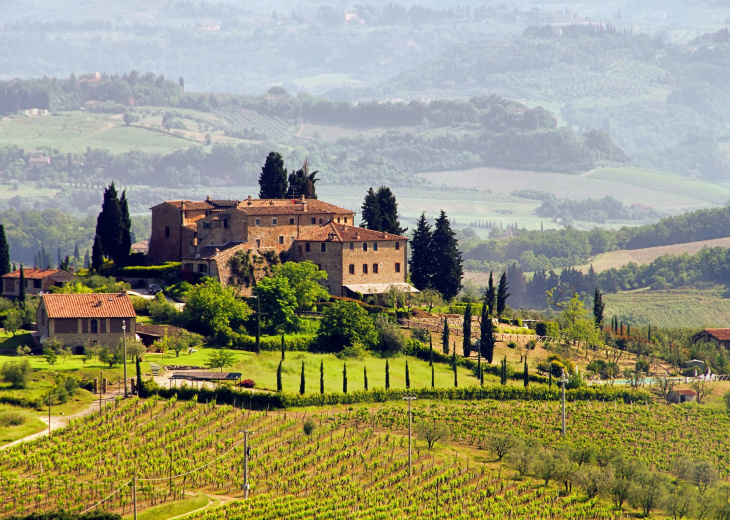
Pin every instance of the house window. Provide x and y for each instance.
(188, 267)
(323, 247)
(36, 284)
(206, 225)
(352, 246)
(273, 221)
(281, 239)
(375, 246)
(338, 220)
(258, 243)
(364, 268)
(375, 268)
(202, 268)
(314, 220)
(257, 222)
(167, 231)
(397, 267)
(345, 220)
(225, 223)
(364, 246)
(291, 221)
(352, 268)
(306, 247)
(397, 246)
(320, 221)
(94, 327)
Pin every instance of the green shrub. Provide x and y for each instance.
(140, 305)
(11, 419)
(16, 373)
(547, 328)
(238, 341)
(149, 271)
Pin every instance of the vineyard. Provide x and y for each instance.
(351, 463)
(275, 128)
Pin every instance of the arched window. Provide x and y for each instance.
(94, 326)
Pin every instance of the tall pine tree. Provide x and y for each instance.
(4, 252)
(125, 245)
(445, 337)
(273, 178)
(97, 255)
(421, 262)
(302, 182)
(302, 385)
(447, 263)
(21, 287)
(488, 340)
(598, 308)
(502, 294)
(388, 207)
(466, 345)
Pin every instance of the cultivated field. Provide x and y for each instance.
(664, 192)
(671, 308)
(617, 259)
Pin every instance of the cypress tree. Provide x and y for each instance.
(140, 385)
(433, 377)
(21, 288)
(321, 376)
(370, 215)
(490, 297)
(503, 371)
(301, 381)
(4, 252)
(408, 376)
(125, 245)
(622, 328)
(502, 294)
(445, 336)
(421, 262)
(456, 373)
(274, 178)
(598, 307)
(278, 378)
(365, 376)
(97, 255)
(387, 375)
(77, 255)
(59, 261)
(110, 225)
(87, 259)
(446, 257)
(526, 375)
(466, 345)
(388, 209)
(430, 350)
(479, 362)
(488, 340)
(628, 329)
(481, 377)
(344, 378)
(550, 379)
(283, 347)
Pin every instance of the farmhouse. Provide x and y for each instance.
(86, 319)
(681, 396)
(720, 337)
(36, 281)
(356, 260)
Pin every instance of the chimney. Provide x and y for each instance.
(357, 236)
(384, 235)
(304, 206)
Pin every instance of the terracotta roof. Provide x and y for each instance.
(332, 232)
(213, 251)
(719, 334)
(684, 392)
(289, 207)
(99, 305)
(35, 273)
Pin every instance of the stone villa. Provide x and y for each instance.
(204, 235)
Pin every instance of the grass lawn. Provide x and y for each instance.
(172, 509)
(262, 369)
(9, 433)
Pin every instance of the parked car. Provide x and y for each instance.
(154, 288)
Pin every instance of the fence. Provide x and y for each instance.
(499, 336)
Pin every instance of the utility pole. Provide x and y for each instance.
(101, 378)
(134, 494)
(409, 398)
(124, 343)
(563, 381)
(245, 464)
(49, 413)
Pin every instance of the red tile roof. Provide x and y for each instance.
(685, 392)
(99, 305)
(199, 204)
(332, 232)
(719, 334)
(290, 207)
(34, 273)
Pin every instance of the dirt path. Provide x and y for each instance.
(59, 421)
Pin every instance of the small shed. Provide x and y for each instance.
(682, 396)
(697, 363)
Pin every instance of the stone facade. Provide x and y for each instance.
(36, 281)
(76, 319)
(355, 256)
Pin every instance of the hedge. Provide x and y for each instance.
(272, 343)
(269, 400)
(22, 402)
(149, 271)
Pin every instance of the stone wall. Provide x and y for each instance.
(110, 331)
(164, 248)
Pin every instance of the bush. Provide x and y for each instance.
(238, 341)
(547, 328)
(309, 426)
(11, 419)
(16, 373)
(140, 305)
(163, 311)
(421, 335)
(247, 383)
(512, 344)
(392, 340)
